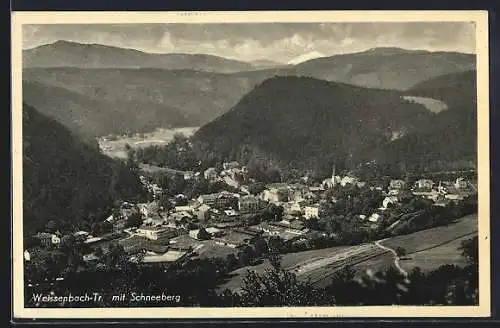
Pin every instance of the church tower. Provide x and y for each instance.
(333, 176)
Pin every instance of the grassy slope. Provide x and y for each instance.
(437, 246)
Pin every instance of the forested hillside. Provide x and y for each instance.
(65, 180)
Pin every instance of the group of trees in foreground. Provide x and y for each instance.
(196, 282)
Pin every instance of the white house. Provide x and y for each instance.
(396, 184)
(210, 173)
(184, 208)
(348, 180)
(81, 233)
(389, 200)
(311, 211)
(460, 183)
(374, 217)
(424, 184)
(152, 233)
(214, 231)
(55, 240)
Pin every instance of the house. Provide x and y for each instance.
(374, 217)
(346, 180)
(311, 211)
(181, 216)
(188, 175)
(275, 195)
(222, 199)
(361, 184)
(210, 174)
(397, 184)
(460, 183)
(132, 244)
(27, 255)
(155, 233)
(168, 257)
(235, 239)
(215, 232)
(455, 197)
(110, 219)
(194, 233)
(155, 220)
(92, 240)
(389, 200)
(119, 225)
(441, 203)
(81, 234)
(154, 248)
(424, 184)
(230, 212)
(184, 208)
(249, 204)
(46, 238)
(296, 207)
(231, 165)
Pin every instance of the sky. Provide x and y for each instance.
(279, 42)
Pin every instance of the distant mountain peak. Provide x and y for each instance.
(305, 57)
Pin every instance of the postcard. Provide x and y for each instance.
(250, 164)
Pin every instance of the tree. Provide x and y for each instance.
(164, 201)
(133, 220)
(256, 188)
(278, 287)
(260, 245)
(98, 252)
(274, 258)
(203, 234)
(400, 252)
(51, 226)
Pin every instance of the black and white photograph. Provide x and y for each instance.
(201, 161)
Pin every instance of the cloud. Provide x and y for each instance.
(274, 41)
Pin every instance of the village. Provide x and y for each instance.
(227, 223)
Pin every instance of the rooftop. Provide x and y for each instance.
(170, 256)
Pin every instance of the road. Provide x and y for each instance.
(396, 257)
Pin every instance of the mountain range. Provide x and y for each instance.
(203, 89)
(72, 54)
(310, 124)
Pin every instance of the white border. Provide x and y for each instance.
(479, 17)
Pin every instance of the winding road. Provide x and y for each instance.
(396, 257)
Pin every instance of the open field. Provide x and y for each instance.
(116, 148)
(431, 248)
(427, 249)
(433, 105)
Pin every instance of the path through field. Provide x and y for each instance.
(396, 257)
